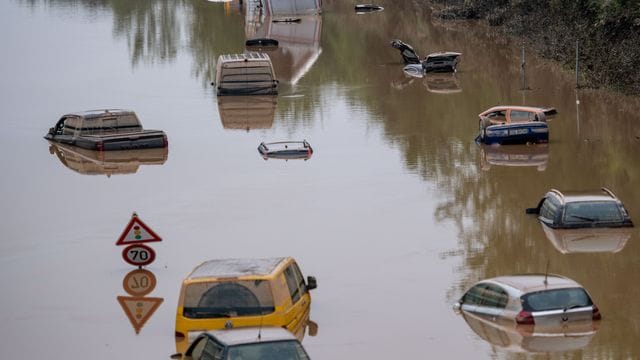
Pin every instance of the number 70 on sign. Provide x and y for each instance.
(138, 255)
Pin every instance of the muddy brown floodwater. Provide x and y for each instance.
(396, 214)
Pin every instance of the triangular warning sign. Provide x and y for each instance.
(137, 232)
(139, 309)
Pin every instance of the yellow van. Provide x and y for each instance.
(230, 293)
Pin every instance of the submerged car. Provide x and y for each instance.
(545, 303)
(406, 51)
(102, 130)
(286, 150)
(441, 62)
(232, 293)
(589, 209)
(435, 62)
(251, 343)
(509, 124)
(250, 73)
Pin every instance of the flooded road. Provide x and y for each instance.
(397, 213)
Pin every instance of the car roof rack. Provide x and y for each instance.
(609, 192)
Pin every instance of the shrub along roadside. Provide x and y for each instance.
(608, 33)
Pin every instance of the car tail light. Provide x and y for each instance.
(100, 146)
(179, 334)
(596, 313)
(524, 318)
(165, 141)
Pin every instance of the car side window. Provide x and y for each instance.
(197, 349)
(292, 284)
(495, 296)
(519, 116)
(549, 209)
(474, 295)
(301, 284)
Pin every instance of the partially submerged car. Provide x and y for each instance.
(91, 162)
(245, 74)
(534, 302)
(367, 8)
(406, 51)
(519, 339)
(231, 293)
(250, 343)
(446, 61)
(286, 150)
(102, 130)
(441, 62)
(588, 209)
(512, 124)
(589, 240)
(261, 44)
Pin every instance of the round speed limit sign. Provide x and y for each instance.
(138, 255)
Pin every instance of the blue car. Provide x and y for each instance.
(505, 125)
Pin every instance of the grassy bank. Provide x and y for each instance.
(608, 33)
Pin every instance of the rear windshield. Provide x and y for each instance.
(592, 211)
(281, 350)
(556, 299)
(228, 299)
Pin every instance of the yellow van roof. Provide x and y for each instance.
(227, 268)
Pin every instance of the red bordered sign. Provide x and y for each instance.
(138, 255)
(137, 232)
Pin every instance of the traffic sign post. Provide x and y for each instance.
(134, 235)
(139, 309)
(138, 255)
(137, 232)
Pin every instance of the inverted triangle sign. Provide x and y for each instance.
(137, 232)
(139, 309)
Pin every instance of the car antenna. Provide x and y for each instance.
(546, 273)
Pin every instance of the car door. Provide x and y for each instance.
(298, 313)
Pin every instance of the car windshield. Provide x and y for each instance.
(556, 299)
(277, 350)
(592, 211)
(228, 299)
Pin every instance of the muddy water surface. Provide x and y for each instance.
(396, 214)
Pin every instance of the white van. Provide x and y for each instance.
(245, 74)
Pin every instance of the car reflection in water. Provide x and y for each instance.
(247, 112)
(514, 155)
(524, 339)
(590, 240)
(298, 42)
(442, 83)
(90, 162)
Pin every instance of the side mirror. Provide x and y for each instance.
(51, 131)
(177, 356)
(311, 282)
(532, 211)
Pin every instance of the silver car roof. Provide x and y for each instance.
(224, 268)
(528, 283)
